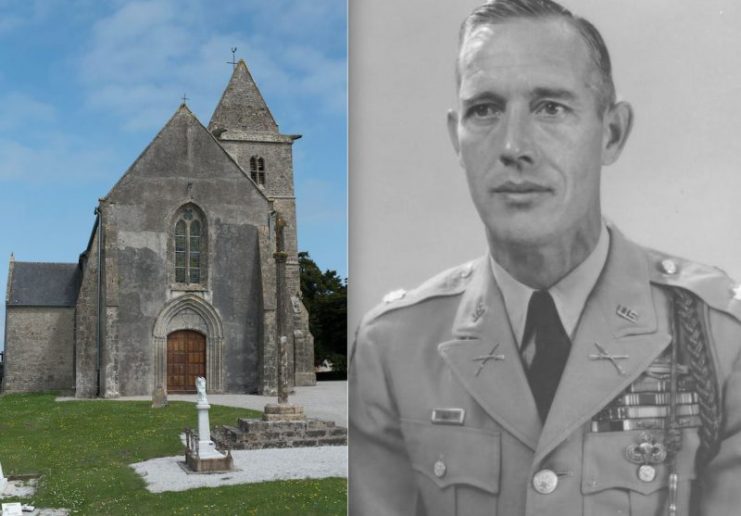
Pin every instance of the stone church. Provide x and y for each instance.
(191, 270)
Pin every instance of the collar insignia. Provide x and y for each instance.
(627, 313)
(484, 359)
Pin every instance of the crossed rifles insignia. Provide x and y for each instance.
(485, 358)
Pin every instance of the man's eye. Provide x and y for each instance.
(551, 109)
(483, 111)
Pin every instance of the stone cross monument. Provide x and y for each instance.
(282, 410)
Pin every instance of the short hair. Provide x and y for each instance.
(499, 11)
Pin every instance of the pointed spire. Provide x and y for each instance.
(242, 107)
(184, 109)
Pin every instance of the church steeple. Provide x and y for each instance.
(242, 108)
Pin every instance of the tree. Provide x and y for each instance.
(325, 297)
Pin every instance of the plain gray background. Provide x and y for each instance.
(677, 186)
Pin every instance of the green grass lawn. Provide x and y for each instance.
(82, 449)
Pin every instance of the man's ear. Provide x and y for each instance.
(617, 123)
(453, 130)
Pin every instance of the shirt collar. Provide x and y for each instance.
(569, 294)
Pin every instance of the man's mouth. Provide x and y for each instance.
(521, 187)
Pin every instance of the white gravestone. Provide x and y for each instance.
(12, 509)
(206, 447)
(3, 480)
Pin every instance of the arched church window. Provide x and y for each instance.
(257, 170)
(189, 246)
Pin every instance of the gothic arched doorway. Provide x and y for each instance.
(186, 360)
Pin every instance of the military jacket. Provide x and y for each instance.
(438, 428)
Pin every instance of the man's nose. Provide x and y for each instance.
(518, 147)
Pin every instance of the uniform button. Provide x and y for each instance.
(737, 293)
(394, 296)
(647, 473)
(545, 481)
(669, 266)
(467, 269)
(439, 469)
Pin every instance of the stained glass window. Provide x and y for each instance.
(188, 247)
(180, 250)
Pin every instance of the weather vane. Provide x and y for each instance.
(233, 62)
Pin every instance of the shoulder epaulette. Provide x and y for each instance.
(450, 282)
(710, 284)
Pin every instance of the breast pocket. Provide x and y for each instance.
(457, 467)
(612, 485)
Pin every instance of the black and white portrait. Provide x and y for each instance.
(544, 228)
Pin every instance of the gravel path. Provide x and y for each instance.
(166, 474)
(325, 400)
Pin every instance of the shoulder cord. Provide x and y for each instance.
(672, 433)
(689, 338)
(694, 343)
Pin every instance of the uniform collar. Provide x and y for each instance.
(569, 294)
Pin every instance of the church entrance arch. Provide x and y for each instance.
(186, 360)
(191, 314)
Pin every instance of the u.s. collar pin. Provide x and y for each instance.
(627, 313)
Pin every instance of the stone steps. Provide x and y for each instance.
(256, 434)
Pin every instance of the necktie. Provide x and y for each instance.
(552, 347)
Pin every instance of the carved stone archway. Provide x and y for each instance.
(190, 312)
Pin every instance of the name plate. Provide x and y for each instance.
(448, 416)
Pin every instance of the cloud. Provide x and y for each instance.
(60, 158)
(21, 112)
(320, 22)
(29, 13)
(137, 43)
(144, 55)
(320, 76)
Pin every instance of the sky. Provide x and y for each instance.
(85, 85)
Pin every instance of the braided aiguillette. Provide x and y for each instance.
(702, 371)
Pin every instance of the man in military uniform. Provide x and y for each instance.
(569, 371)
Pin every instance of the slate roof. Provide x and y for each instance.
(43, 284)
(242, 107)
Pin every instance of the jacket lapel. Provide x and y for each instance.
(621, 318)
(498, 384)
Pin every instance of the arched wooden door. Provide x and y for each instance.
(186, 360)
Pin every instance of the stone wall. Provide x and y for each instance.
(255, 434)
(183, 166)
(276, 150)
(277, 156)
(39, 349)
(86, 381)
